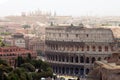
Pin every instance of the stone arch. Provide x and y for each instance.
(99, 48)
(56, 69)
(81, 59)
(87, 60)
(76, 70)
(76, 59)
(59, 58)
(82, 71)
(71, 59)
(67, 70)
(93, 59)
(63, 58)
(71, 70)
(59, 69)
(56, 58)
(87, 71)
(93, 48)
(53, 69)
(63, 70)
(106, 48)
(53, 57)
(88, 48)
(67, 59)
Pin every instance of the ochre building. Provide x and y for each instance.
(11, 53)
(72, 50)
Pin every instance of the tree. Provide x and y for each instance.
(36, 63)
(26, 26)
(28, 67)
(39, 53)
(19, 74)
(29, 56)
(19, 61)
(1, 43)
(3, 62)
(4, 70)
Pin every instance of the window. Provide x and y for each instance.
(71, 59)
(67, 35)
(99, 48)
(93, 59)
(106, 48)
(82, 48)
(87, 48)
(87, 35)
(77, 47)
(59, 34)
(87, 60)
(93, 48)
(76, 35)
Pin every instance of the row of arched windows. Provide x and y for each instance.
(74, 59)
(8, 54)
(80, 48)
(70, 70)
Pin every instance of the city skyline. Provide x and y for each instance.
(62, 7)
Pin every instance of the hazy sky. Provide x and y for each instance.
(62, 7)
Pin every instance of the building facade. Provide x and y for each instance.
(17, 39)
(9, 54)
(72, 50)
(35, 44)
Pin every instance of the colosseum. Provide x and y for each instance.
(72, 50)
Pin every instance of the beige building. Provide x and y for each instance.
(72, 50)
(16, 39)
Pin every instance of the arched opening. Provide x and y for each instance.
(88, 48)
(82, 71)
(71, 70)
(56, 58)
(71, 59)
(81, 59)
(76, 59)
(93, 59)
(63, 70)
(82, 48)
(87, 71)
(99, 59)
(53, 57)
(93, 48)
(76, 70)
(106, 48)
(87, 60)
(63, 59)
(99, 48)
(56, 69)
(59, 69)
(67, 59)
(53, 69)
(67, 70)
